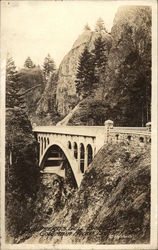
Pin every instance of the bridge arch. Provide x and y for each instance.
(68, 155)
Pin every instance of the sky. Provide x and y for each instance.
(36, 28)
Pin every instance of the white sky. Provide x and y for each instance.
(36, 28)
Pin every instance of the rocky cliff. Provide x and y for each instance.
(111, 206)
(126, 90)
(128, 79)
(66, 90)
(62, 94)
(32, 84)
(46, 112)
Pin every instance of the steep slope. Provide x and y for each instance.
(126, 95)
(60, 94)
(32, 84)
(112, 204)
(66, 90)
(21, 173)
(129, 66)
(46, 112)
(67, 118)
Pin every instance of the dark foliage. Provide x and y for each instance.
(48, 67)
(13, 85)
(30, 77)
(85, 77)
(21, 160)
(100, 57)
(29, 63)
(32, 85)
(124, 73)
(100, 26)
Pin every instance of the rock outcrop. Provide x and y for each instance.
(66, 91)
(128, 79)
(112, 205)
(126, 90)
(31, 80)
(124, 93)
(46, 112)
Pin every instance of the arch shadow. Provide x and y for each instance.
(67, 156)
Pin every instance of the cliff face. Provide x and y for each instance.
(32, 84)
(66, 91)
(126, 90)
(46, 112)
(111, 206)
(59, 96)
(128, 77)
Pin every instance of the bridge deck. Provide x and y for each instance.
(86, 130)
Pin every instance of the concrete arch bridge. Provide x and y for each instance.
(77, 145)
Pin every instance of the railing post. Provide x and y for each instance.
(148, 126)
(108, 125)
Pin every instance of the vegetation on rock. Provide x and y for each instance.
(99, 26)
(32, 86)
(48, 67)
(85, 77)
(47, 112)
(125, 82)
(112, 204)
(66, 95)
(21, 159)
(29, 63)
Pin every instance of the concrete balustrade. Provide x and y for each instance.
(81, 143)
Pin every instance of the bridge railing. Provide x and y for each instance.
(102, 134)
(87, 130)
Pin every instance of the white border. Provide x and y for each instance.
(154, 231)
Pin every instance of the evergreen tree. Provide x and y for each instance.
(29, 63)
(86, 27)
(21, 171)
(100, 57)
(13, 86)
(48, 67)
(85, 73)
(100, 25)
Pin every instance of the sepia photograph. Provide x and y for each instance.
(78, 101)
